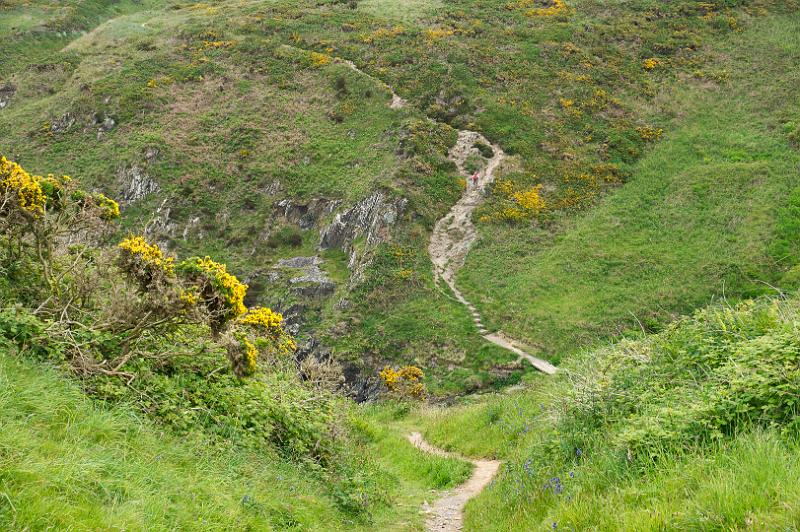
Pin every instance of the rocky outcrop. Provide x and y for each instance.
(371, 218)
(306, 215)
(136, 184)
(312, 281)
(6, 93)
(63, 123)
(163, 228)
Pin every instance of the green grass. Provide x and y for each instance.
(69, 462)
(693, 428)
(696, 221)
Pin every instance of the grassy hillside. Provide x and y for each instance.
(230, 107)
(706, 213)
(70, 462)
(693, 428)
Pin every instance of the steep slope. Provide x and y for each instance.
(239, 129)
(706, 213)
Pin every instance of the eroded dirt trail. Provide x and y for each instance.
(454, 234)
(446, 514)
(450, 243)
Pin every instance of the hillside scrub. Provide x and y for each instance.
(139, 328)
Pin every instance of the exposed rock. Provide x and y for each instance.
(293, 318)
(163, 228)
(360, 387)
(299, 262)
(60, 125)
(151, 154)
(136, 184)
(271, 189)
(6, 93)
(372, 217)
(306, 215)
(107, 124)
(313, 283)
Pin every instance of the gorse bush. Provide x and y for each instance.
(704, 378)
(56, 228)
(166, 327)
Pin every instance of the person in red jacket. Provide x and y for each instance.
(475, 179)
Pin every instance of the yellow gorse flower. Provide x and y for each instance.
(407, 380)
(26, 188)
(530, 199)
(150, 254)
(109, 209)
(650, 63)
(232, 288)
(319, 60)
(263, 317)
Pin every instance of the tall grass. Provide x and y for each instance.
(67, 462)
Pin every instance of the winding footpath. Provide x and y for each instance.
(446, 514)
(449, 246)
(454, 234)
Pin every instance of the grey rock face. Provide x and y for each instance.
(60, 125)
(136, 184)
(151, 154)
(306, 215)
(107, 124)
(312, 282)
(6, 93)
(372, 217)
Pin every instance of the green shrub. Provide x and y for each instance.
(288, 236)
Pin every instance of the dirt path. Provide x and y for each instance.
(454, 234)
(446, 514)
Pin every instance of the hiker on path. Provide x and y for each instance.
(475, 179)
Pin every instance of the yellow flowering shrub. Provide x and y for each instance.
(319, 60)
(242, 354)
(22, 188)
(188, 297)
(262, 327)
(436, 34)
(150, 254)
(262, 317)
(405, 382)
(649, 132)
(383, 33)
(516, 204)
(207, 45)
(651, 63)
(108, 209)
(531, 199)
(144, 262)
(221, 292)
